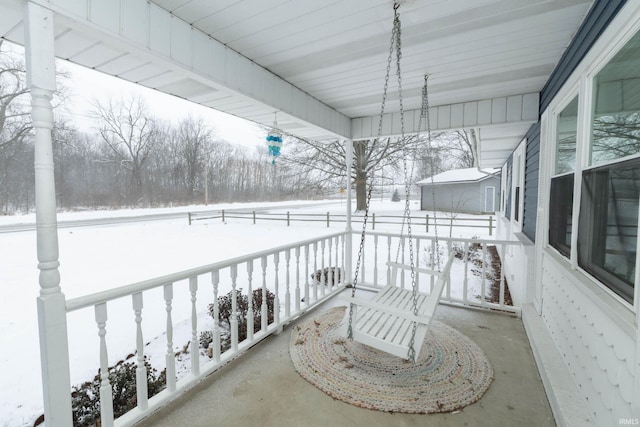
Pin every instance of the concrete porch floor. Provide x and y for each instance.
(261, 387)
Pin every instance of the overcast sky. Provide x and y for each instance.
(85, 85)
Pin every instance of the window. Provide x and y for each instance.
(561, 197)
(506, 198)
(608, 230)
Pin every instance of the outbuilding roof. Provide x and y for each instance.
(460, 175)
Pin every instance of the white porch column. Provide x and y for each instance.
(348, 242)
(52, 318)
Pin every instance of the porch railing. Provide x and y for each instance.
(477, 279)
(300, 276)
(285, 271)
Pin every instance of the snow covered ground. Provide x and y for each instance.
(102, 257)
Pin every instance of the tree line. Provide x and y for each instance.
(133, 159)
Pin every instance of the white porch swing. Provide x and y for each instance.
(396, 320)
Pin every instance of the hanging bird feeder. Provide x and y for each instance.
(274, 141)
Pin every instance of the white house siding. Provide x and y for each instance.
(517, 262)
(598, 350)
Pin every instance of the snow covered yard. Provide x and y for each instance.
(97, 258)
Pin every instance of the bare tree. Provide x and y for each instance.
(194, 143)
(458, 149)
(130, 133)
(15, 123)
(328, 160)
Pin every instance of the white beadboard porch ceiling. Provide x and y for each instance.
(321, 63)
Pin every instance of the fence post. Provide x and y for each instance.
(254, 217)
(426, 221)
(373, 221)
(287, 218)
(327, 219)
(189, 217)
(490, 225)
(222, 215)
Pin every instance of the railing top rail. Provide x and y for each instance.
(443, 238)
(134, 288)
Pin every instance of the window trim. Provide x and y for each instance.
(517, 189)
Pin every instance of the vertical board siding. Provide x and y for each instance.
(531, 172)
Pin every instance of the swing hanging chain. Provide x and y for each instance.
(394, 31)
(425, 107)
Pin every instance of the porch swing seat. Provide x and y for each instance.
(385, 322)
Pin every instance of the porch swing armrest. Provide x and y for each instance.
(360, 302)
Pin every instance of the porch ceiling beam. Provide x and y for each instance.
(150, 32)
(501, 111)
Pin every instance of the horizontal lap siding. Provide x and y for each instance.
(597, 20)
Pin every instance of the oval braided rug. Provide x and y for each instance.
(451, 372)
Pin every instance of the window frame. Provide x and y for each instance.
(582, 83)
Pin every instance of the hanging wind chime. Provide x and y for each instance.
(274, 141)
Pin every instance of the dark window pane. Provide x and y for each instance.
(560, 213)
(608, 230)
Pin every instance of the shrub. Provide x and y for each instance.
(85, 399)
(242, 308)
(322, 276)
(395, 197)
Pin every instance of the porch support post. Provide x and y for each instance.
(348, 241)
(52, 318)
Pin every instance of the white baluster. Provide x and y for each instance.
(306, 276)
(195, 349)
(287, 294)
(434, 263)
(234, 308)
(375, 260)
(388, 259)
(417, 259)
(323, 277)
(276, 300)
(484, 274)
(315, 271)
(402, 272)
(465, 289)
(363, 265)
(345, 277)
(170, 356)
(502, 287)
(339, 271)
(250, 319)
(329, 269)
(215, 281)
(141, 369)
(263, 309)
(297, 292)
(106, 395)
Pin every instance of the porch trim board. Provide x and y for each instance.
(185, 62)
